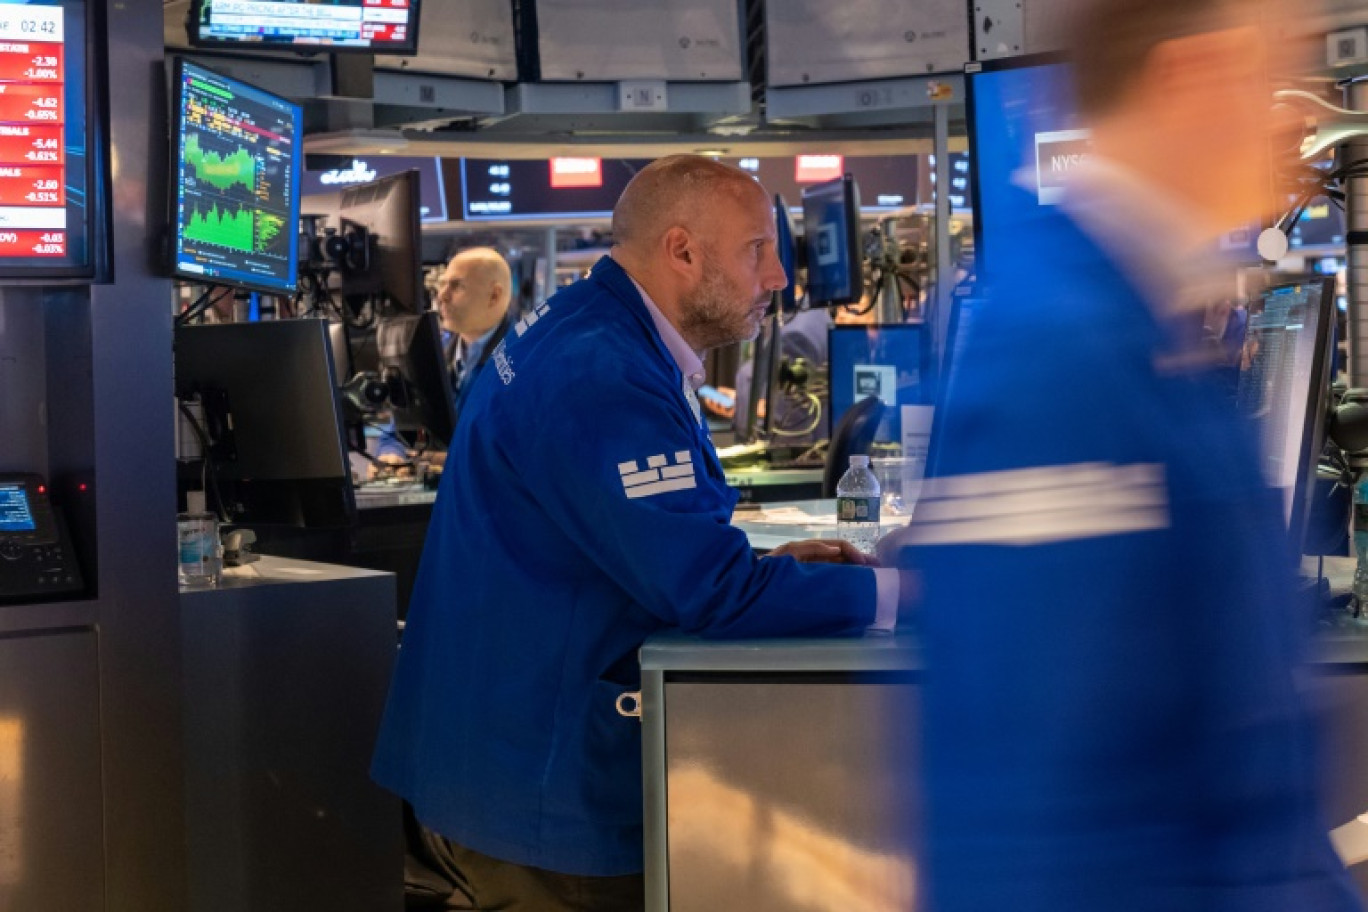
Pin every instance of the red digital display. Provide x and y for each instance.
(568, 173)
(27, 243)
(812, 169)
(33, 176)
(31, 186)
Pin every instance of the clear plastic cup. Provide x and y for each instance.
(900, 480)
(200, 555)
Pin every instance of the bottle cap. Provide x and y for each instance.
(859, 459)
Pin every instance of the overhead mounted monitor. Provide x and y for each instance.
(368, 26)
(432, 203)
(235, 201)
(508, 189)
(53, 181)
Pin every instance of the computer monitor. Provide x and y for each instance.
(786, 240)
(366, 26)
(54, 144)
(379, 222)
(235, 197)
(270, 411)
(831, 236)
(889, 362)
(1284, 384)
(405, 354)
(410, 350)
(1023, 129)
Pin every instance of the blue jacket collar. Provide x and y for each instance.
(608, 273)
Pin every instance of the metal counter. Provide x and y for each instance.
(782, 774)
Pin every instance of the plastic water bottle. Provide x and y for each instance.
(857, 505)
(1360, 589)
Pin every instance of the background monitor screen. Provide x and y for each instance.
(831, 236)
(1283, 384)
(380, 222)
(889, 362)
(494, 189)
(236, 199)
(375, 26)
(1321, 227)
(15, 513)
(432, 203)
(277, 453)
(52, 180)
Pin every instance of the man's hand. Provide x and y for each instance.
(824, 551)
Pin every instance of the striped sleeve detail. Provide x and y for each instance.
(1044, 505)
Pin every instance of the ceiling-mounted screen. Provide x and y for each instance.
(370, 26)
(235, 201)
(52, 177)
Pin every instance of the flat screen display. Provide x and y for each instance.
(374, 26)
(49, 185)
(1283, 384)
(494, 189)
(432, 204)
(15, 513)
(236, 197)
(831, 233)
(887, 362)
(1321, 226)
(1024, 135)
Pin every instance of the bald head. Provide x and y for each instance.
(677, 191)
(474, 291)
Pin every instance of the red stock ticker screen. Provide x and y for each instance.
(45, 177)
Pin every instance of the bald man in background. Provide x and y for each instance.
(473, 298)
(605, 518)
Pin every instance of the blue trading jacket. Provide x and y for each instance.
(1111, 719)
(583, 508)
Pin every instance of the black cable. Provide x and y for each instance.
(206, 447)
(197, 309)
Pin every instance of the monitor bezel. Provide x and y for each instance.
(1314, 421)
(197, 39)
(177, 74)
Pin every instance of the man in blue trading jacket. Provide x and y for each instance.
(1111, 716)
(589, 512)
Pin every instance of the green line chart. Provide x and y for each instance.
(221, 227)
(247, 230)
(221, 171)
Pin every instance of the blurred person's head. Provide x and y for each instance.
(699, 236)
(1178, 91)
(473, 292)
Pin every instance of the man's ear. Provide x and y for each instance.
(681, 253)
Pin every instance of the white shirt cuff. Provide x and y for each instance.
(887, 588)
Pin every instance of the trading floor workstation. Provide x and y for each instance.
(204, 741)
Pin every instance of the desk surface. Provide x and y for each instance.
(795, 520)
(379, 495)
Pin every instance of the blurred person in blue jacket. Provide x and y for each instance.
(590, 512)
(1112, 714)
